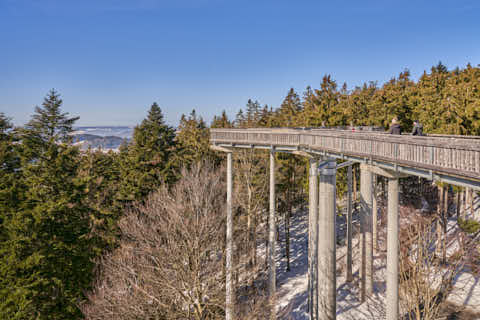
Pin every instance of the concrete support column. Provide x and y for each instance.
(392, 250)
(229, 300)
(374, 213)
(326, 272)
(271, 239)
(312, 237)
(349, 275)
(366, 243)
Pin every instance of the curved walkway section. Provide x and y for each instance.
(451, 159)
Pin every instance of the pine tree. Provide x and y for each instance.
(325, 101)
(289, 112)
(100, 171)
(266, 117)
(149, 160)
(394, 100)
(49, 123)
(193, 138)
(252, 113)
(430, 105)
(240, 119)
(221, 122)
(46, 258)
(10, 191)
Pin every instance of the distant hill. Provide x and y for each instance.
(103, 131)
(101, 137)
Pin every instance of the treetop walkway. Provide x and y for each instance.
(451, 159)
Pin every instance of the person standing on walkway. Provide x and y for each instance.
(395, 127)
(417, 128)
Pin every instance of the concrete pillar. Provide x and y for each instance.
(392, 250)
(349, 275)
(229, 300)
(271, 239)
(366, 244)
(312, 237)
(326, 272)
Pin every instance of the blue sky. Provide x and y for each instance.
(110, 59)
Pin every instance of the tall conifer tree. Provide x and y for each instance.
(150, 159)
(46, 261)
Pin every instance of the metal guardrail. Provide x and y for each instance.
(455, 155)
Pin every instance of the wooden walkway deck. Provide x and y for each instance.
(452, 159)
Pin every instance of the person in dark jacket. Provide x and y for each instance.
(395, 127)
(417, 128)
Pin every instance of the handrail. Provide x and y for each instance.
(450, 154)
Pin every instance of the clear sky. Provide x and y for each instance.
(110, 59)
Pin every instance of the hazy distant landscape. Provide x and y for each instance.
(101, 137)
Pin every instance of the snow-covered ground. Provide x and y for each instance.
(292, 294)
(292, 286)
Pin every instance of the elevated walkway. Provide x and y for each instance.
(451, 159)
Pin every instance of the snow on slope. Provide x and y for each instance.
(292, 286)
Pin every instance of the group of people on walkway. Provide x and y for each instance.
(395, 128)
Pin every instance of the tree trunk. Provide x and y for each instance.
(248, 240)
(287, 227)
(267, 229)
(439, 220)
(287, 236)
(472, 213)
(445, 224)
(467, 202)
(254, 239)
(459, 192)
(374, 213)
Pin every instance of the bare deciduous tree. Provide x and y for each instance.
(169, 262)
(425, 280)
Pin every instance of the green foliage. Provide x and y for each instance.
(46, 261)
(149, 160)
(193, 138)
(289, 111)
(9, 173)
(469, 226)
(59, 207)
(100, 172)
(46, 257)
(48, 123)
(221, 122)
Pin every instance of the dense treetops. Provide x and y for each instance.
(59, 207)
(444, 101)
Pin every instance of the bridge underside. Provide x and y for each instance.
(449, 176)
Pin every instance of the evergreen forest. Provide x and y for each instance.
(140, 233)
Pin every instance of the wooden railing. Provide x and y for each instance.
(448, 154)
